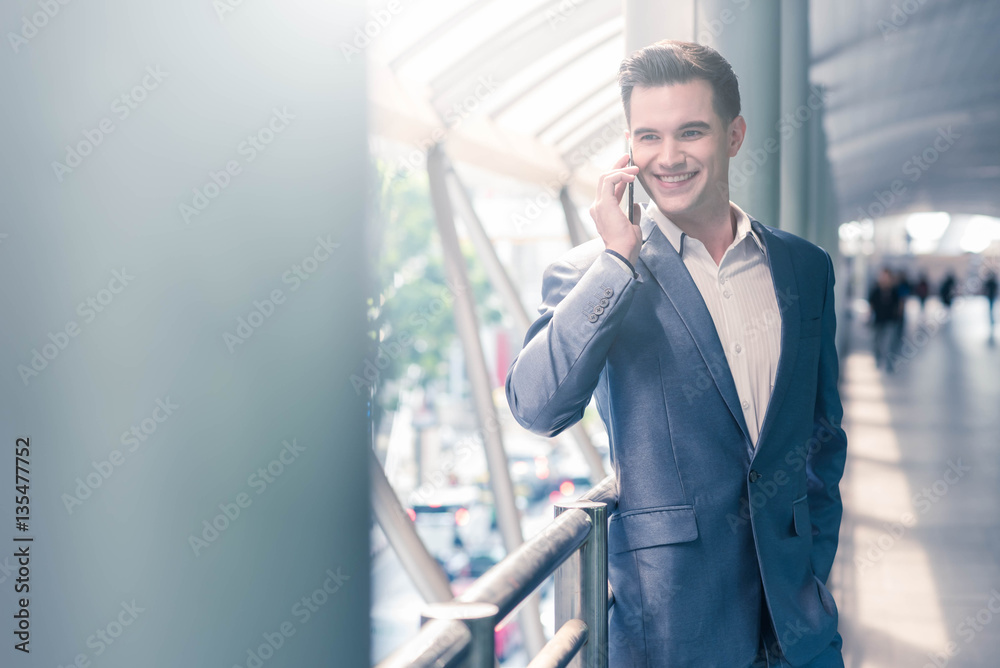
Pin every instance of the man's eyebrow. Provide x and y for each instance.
(698, 125)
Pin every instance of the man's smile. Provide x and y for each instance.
(674, 180)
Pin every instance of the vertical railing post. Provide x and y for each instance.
(582, 586)
(481, 618)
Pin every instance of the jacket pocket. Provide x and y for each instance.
(800, 516)
(636, 529)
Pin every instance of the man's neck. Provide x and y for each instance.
(715, 232)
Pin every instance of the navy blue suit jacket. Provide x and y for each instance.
(706, 524)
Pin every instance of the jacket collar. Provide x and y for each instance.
(676, 235)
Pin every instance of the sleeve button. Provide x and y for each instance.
(608, 292)
(592, 317)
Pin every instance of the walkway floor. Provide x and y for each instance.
(917, 577)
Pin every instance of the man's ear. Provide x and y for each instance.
(737, 133)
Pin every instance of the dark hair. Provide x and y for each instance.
(672, 61)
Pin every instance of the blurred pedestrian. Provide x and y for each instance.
(903, 289)
(885, 308)
(922, 290)
(990, 290)
(947, 291)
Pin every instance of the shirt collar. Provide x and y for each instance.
(676, 236)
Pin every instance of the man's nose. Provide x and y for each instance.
(671, 156)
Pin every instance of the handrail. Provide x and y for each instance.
(459, 634)
(605, 491)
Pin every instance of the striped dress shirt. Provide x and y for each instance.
(739, 294)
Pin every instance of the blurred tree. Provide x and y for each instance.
(412, 315)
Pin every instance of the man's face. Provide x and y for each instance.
(675, 132)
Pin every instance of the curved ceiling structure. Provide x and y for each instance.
(527, 88)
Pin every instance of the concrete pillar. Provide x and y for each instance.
(749, 37)
(822, 205)
(649, 21)
(795, 116)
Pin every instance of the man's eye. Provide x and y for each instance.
(697, 132)
(644, 137)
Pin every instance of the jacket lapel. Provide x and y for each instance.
(668, 271)
(787, 292)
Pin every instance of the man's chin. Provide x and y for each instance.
(671, 207)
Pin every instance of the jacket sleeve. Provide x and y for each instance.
(550, 382)
(826, 458)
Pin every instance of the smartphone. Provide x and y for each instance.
(631, 189)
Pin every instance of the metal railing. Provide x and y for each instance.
(460, 633)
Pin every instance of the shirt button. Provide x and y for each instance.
(726, 294)
(746, 404)
(738, 347)
(722, 280)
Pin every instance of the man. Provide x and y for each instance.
(886, 302)
(990, 290)
(709, 340)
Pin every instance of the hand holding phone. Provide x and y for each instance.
(618, 229)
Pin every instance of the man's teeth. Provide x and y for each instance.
(676, 179)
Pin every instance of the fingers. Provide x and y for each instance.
(620, 188)
(613, 183)
(615, 177)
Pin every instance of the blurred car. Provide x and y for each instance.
(452, 521)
